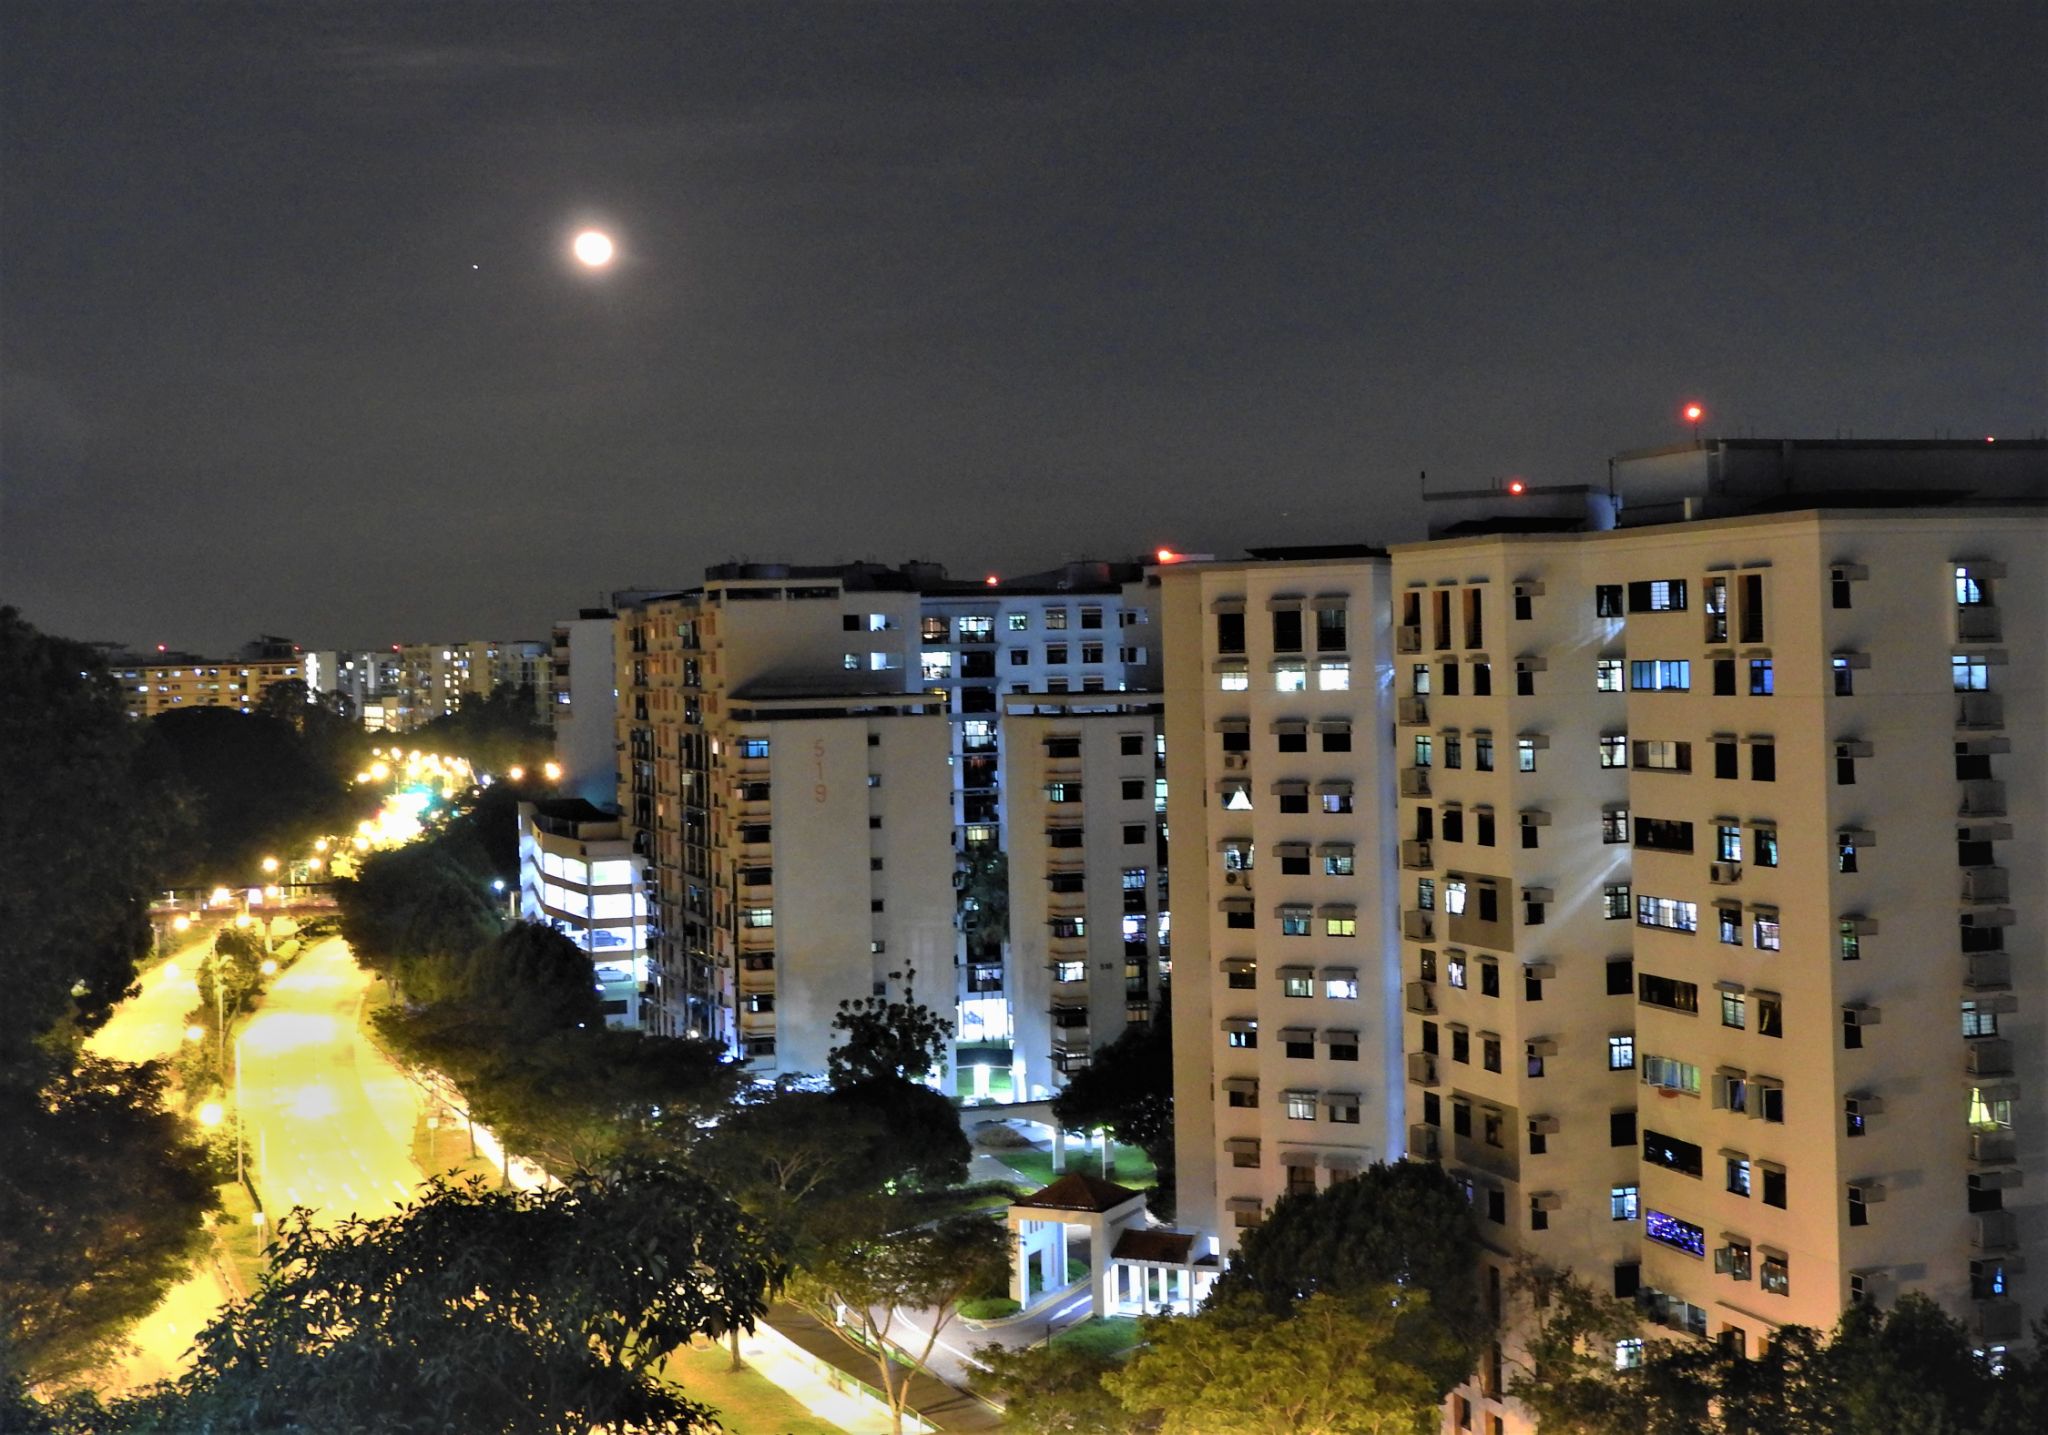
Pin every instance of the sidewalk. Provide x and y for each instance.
(942, 1406)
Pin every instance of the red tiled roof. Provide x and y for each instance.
(1076, 1192)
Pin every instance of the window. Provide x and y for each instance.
(1655, 755)
(1338, 864)
(1425, 749)
(1671, 1153)
(1425, 893)
(1724, 677)
(1766, 846)
(1336, 802)
(1133, 789)
(1295, 982)
(1333, 676)
(1134, 832)
(1777, 1276)
(1294, 923)
(1621, 980)
(1298, 1045)
(1454, 750)
(1761, 681)
(1330, 636)
(1301, 1105)
(1343, 1107)
(1621, 1056)
(1234, 678)
(757, 917)
(1734, 1010)
(1614, 749)
(1969, 673)
(1607, 600)
(1483, 820)
(1614, 898)
(1091, 652)
(1667, 913)
(1764, 930)
(1336, 736)
(1621, 1127)
(1455, 892)
(1671, 1074)
(1614, 829)
(1763, 762)
(1969, 591)
(1340, 988)
(1454, 971)
(1653, 675)
(1418, 679)
(1489, 1056)
(1482, 751)
(1668, 993)
(1770, 1014)
(753, 747)
(1670, 1231)
(1607, 675)
(1340, 926)
(1525, 754)
(1621, 1203)
(1727, 762)
(1663, 595)
(1450, 682)
(1229, 629)
(1245, 1038)
(1845, 678)
(1290, 677)
(1286, 630)
(1482, 680)
(1628, 1353)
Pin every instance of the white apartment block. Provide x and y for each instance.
(1721, 884)
(578, 873)
(1287, 1035)
(353, 681)
(583, 706)
(1090, 940)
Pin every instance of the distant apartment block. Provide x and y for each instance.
(578, 873)
(165, 681)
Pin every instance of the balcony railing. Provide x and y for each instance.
(1415, 782)
(1992, 1148)
(1978, 624)
(1988, 971)
(1983, 797)
(1976, 711)
(1993, 1231)
(1989, 1056)
(1422, 1068)
(1415, 855)
(1985, 884)
(1422, 998)
(1419, 926)
(1413, 711)
(1425, 1143)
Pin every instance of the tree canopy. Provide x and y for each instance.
(1404, 1223)
(496, 733)
(1127, 1087)
(479, 1310)
(1334, 1365)
(887, 1037)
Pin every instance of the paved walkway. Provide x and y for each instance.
(942, 1405)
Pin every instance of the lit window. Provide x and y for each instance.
(1607, 675)
(1969, 673)
(1621, 1203)
(1621, 1053)
(1333, 677)
(1340, 926)
(1290, 678)
(1301, 1105)
(1341, 988)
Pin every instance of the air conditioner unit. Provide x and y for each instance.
(1724, 874)
(1233, 879)
(1235, 761)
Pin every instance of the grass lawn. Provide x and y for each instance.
(748, 1403)
(999, 1084)
(443, 1150)
(1098, 1335)
(240, 1242)
(1128, 1166)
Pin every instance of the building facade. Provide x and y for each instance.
(583, 706)
(164, 681)
(578, 873)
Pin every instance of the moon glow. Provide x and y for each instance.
(593, 249)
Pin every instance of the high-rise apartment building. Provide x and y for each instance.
(435, 678)
(920, 666)
(1720, 882)
(1287, 1038)
(583, 706)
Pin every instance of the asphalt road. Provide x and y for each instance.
(327, 1120)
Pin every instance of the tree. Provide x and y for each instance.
(88, 824)
(416, 913)
(480, 1311)
(985, 901)
(1128, 1088)
(534, 979)
(495, 733)
(1405, 1224)
(924, 1145)
(101, 1196)
(883, 1037)
(1055, 1389)
(1335, 1366)
(873, 1274)
(258, 788)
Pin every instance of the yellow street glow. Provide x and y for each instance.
(593, 248)
(211, 1114)
(195, 1033)
(270, 864)
(171, 971)
(244, 920)
(553, 771)
(181, 923)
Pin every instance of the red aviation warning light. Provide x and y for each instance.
(991, 580)
(1517, 487)
(1694, 413)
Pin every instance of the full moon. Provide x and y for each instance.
(593, 248)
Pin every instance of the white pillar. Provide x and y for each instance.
(1020, 1268)
(1059, 1150)
(981, 1082)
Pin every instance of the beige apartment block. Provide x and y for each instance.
(1287, 1035)
(1089, 945)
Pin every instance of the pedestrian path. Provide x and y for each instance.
(940, 1405)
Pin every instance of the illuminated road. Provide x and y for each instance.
(328, 1120)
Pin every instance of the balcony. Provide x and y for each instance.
(1983, 797)
(1422, 1068)
(1422, 998)
(1988, 1056)
(1983, 885)
(1415, 855)
(1978, 624)
(1997, 1319)
(1977, 712)
(1425, 1143)
(1412, 712)
(1419, 926)
(1408, 639)
(1988, 972)
(1415, 783)
(1993, 1231)
(1992, 1148)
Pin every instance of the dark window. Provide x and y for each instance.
(1621, 1128)
(1671, 1153)
(1621, 979)
(1134, 832)
(1724, 677)
(1497, 1205)
(1774, 1188)
(1230, 632)
(1450, 683)
(1337, 739)
(1287, 630)
(1482, 680)
(1726, 762)
(1763, 762)
(1607, 600)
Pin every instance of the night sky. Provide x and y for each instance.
(290, 342)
